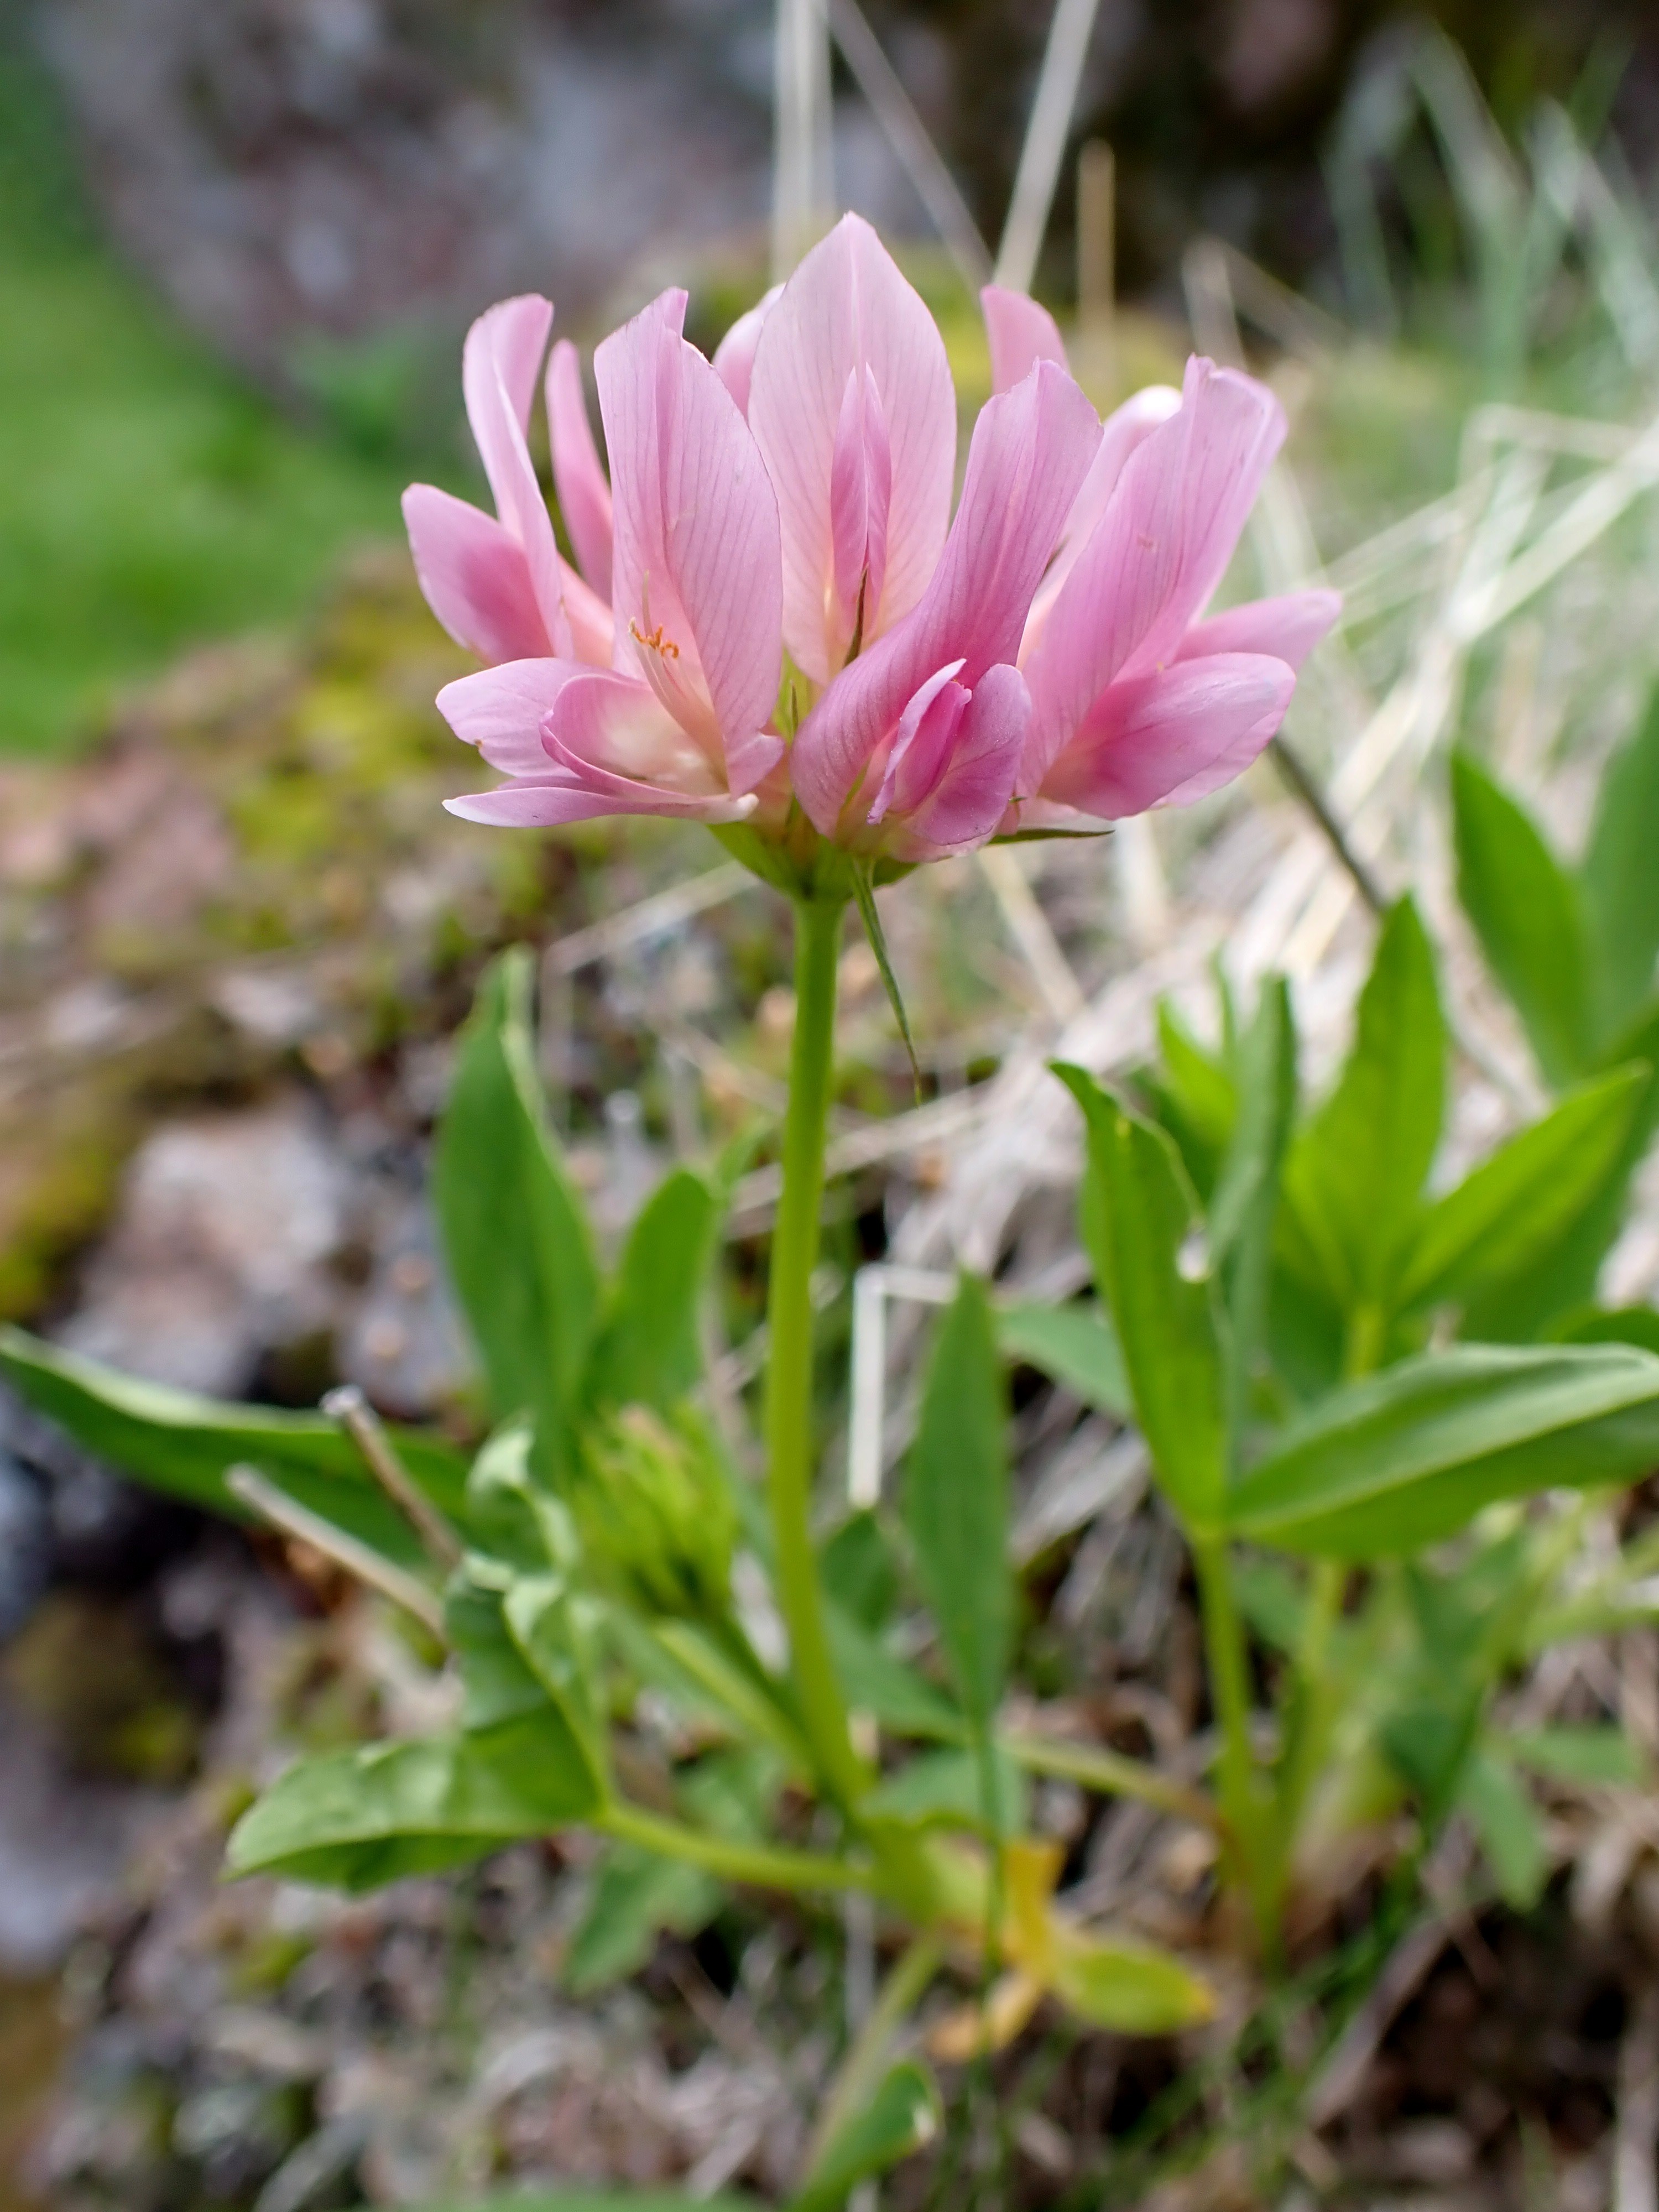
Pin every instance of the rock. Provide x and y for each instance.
(220, 1250)
(404, 1345)
(63, 1845)
(25, 1545)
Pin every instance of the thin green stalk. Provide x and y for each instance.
(861, 2070)
(788, 1409)
(1110, 1774)
(759, 1866)
(1229, 1665)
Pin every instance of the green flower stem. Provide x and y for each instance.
(759, 1866)
(788, 1410)
(1109, 1774)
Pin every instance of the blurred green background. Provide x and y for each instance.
(150, 497)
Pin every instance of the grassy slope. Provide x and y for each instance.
(147, 501)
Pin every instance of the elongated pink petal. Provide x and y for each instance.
(861, 498)
(696, 582)
(1170, 737)
(1125, 428)
(1288, 627)
(846, 308)
(538, 804)
(592, 630)
(734, 357)
(499, 366)
(607, 727)
(1021, 334)
(922, 743)
(474, 574)
(1030, 452)
(1168, 532)
(502, 710)
(972, 794)
(580, 743)
(578, 476)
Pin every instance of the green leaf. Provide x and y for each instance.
(858, 1570)
(1426, 1737)
(1504, 1217)
(554, 1630)
(1129, 1987)
(1245, 1206)
(902, 2118)
(1592, 1757)
(1638, 1325)
(515, 1234)
(1511, 1833)
(1197, 1099)
(1138, 1217)
(947, 1789)
(496, 1685)
(1272, 1600)
(176, 1441)
(635, 1897)
(904, 1702)
(1074, 1345)
(1527, 913)
(649, 1352)
(1526, 1305)
(1357, 1170)
(512, 1516)
(354, 1819)
(956, 1503)
(723, 1676)
(1618, 881)
(1411, 1456)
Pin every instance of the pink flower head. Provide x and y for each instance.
(1038, 662)
(678, 724)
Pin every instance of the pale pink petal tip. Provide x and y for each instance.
(734, 357)
(1021, 334)
(851, 404)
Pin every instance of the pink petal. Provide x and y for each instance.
(734, 357)
(527, 805)
(1030, 452)
(1169, 532)
(578, 476)
(502, 710)
(474, 574)
(972, 795)
(499, 364)
(861, 498)
(1021, 335)
(922, 743)
(592, 630)
(609, 729)
(846, 308)
(696, 567)
(1123, 430)
(1288, 628)
(1170, 737)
